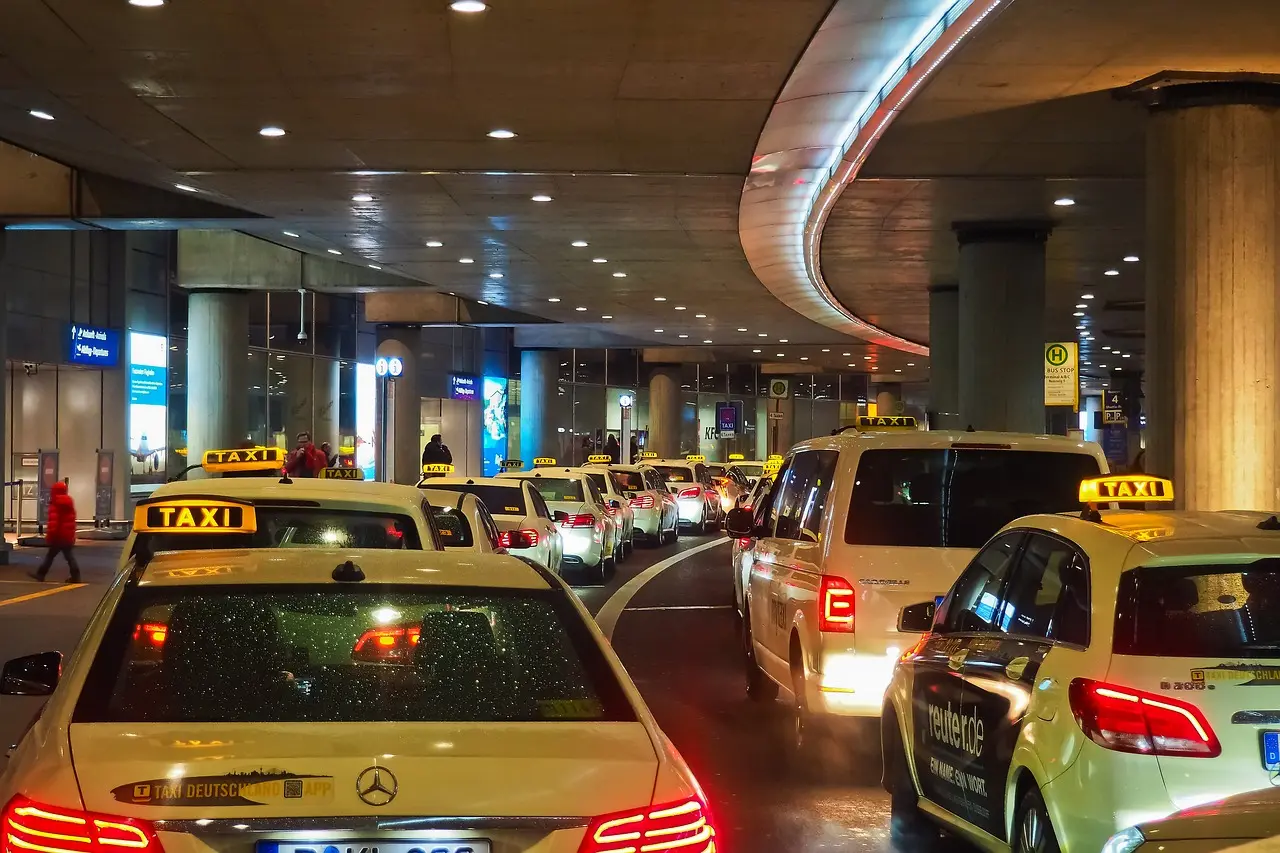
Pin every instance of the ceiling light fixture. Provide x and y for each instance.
(599, 260)
(783, 341)
(659, 331)
(1082, 305)
(1064, 202)
(755, 350)
(762, 334)
(466, 260)
(495, 275)
(554, 299)
(374, 267)
(580, 308)
(681, 308)
(468, 7)
(780, 355)
(289, 234)
(866, 358)
(580, 244)
(481, 302)
(272, 132)
(897, 370)
(707, 341)
(185, 188)
(659, 299)
(361, 198)
(541, 197)
(826, 350)
(40, 114)
(333, 252)
(742, 330)
(700, 316)
(146, 4)
(1131, 259)
(606, 316)
(1086, 296)
(684, 336)
(501, 134)
(1125, 355)
(434, 244)
(1112, 272)
(804, 358)
(846, 354)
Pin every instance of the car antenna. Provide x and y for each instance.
(1271, 523)
(348, 572)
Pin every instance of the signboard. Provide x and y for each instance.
(727, 419)
(779, 389)
(93, 347)
(1113, 408)
(493, 441)
(385, 367)
(775, 416)
(463, 387)
(48, 476)
(1062, 374)
(148, 411)
(1115, 443)
(366, 419)
(105, 492)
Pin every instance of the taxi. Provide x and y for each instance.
(588, 531)
(599, 469)
(1089, 672)
(730, 484)
(653, 508)
(741, 558)
(525, 526)
(696, 497)
(291, 512)
(466, 525)
(239, 700)
(751, 469)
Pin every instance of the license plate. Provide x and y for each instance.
(435, 845)
(1271, 751)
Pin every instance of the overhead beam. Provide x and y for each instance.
(421, 307)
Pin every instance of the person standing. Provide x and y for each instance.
(613, 448)
(305, 460)
(330, 458)
(436, 452)
(60, 533)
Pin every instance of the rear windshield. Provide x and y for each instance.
(554, 489)
(750, 471)
(455, 530)
(499, 500)
(330, 653)
(1200, 611)
(600, 481)
(715, 470)
(300, 527)
(958, 497)
(676, 475)
(630, 481)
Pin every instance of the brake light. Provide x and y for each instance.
(151, 633)
(744, 542)
(584, 520)
(835, 605)
(682, 825)
(384, 644)
(1128, 720)
(689, 493)
(504, 538)
(642, 502)
(610, 510)
(31, 826)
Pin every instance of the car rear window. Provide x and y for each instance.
(600, 481)
(300, 527)
(630, 481)
(499, 500)
(676, 475)
(558, 489)
(330, 653)
(749, 471)
(455, 530)
(958, 497)
(1223, 611)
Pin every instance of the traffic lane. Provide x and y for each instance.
(679, 641)
(594, 597)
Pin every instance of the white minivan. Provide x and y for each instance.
(861, 524)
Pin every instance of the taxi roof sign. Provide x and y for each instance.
(695, 457)
(341, 474)
(512, 464)
(774, 457)
(772, 466)
(597, 458)
(544, 461)
(737, 457)
(648, 454)
(437, 468)
(883, 422)
(243, 459)
(1126, 488)
(194, 515)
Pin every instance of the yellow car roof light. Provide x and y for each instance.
(695, 457)
(438, 468)
(879, 423)
(774, 457)
(648, 454)
(544, 462)
(194, 515)
(600, 459)
(243, 459)
(341, 473)
(737, 457)
(512, 464)
(1126, 488)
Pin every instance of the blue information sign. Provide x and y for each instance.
(463, 387)
(93, 347)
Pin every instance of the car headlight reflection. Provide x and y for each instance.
(1125, 841)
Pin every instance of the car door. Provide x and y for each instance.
(1039, 605)
(489, 526)
(540, 516)
(945, 737)
(759, 588)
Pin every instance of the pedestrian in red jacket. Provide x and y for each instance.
(60, 533)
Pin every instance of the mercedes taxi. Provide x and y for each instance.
(1089, 672)
(751, 469)
(653, 508)
(588, 531)
(525, 525)
(696, 496)
(266, 701)
(465, 524)
(291, 512)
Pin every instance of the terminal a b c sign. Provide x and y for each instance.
(1062, 374)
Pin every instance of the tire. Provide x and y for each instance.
(1033, 828)
(760, 688)
(598, 574)
(906, 821)
(805, 726)
(699, 529)
(609, 569)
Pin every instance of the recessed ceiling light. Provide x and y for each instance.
(1086, 296)
(1082, 305)
(659, 299)
(606, 316)
(684, 336)
(804, 358)
(1126, 355)
(466, 260)
(1103, 366)
(1112, 272)
(680, 308)
(289, 234)
(580, 308)
(619, 275)
(502, 134)
(783, 341)
(1078, 314)
(742, 330)
(361, 198)
(495, 275)
(846, 354)
(272, 132)
(866, 358)
(897, 370)
(850, 364)
(554, 299)
(481, 302)
(700, 316)
(874, 367)
(374, 267)
(780, 355)
(659, 331)
(599, 260)
(1064, 202)
(468, 6)
(707, 341)
(755, 350)
(185, 188)
(1079, 328)
(434, 244)
(826, 350)
(146, 3)
(40, 114)
(1131, 259)
(541, 197)
(334, 252)
(580, 244)
(911, 364)
(1106, 347)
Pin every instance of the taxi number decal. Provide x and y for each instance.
(778, 614)
(255, 788)
(1186, 685)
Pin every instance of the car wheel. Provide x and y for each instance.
(700, 528)
(760, 687)
(609, 569)
(1033, 828)
(805, 726)
(599, 573)
(906, 820)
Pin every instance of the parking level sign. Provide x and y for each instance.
(1062, 375)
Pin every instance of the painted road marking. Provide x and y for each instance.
(683, 607)
(608, 616)
(42, 593)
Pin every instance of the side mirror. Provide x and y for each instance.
(739, 523)
(616, 504)
(917, 618)
(519, 539)
(559, 516)
(33, 675)
(628, 495)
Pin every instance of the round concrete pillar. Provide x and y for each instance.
(1001, 330)
(539, 394)
(664, 413)
(888, 398)
(217, 367)
(1213, 340)
(405, 403)
(944, 356)
(326, 378)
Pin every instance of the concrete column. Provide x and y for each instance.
(539, 393)
(406, 416)
(782, 427)
(1213, 278)
(217, 368)
(298, 394)
(6, 460)
(664, 413)
(887, 399)
(326, 394)
(944, 356)
(1001, 339)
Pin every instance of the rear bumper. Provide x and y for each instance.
(582, 546)
(648, 521)
(692, 510)
(850, 684)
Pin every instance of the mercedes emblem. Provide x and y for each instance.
(377, 786)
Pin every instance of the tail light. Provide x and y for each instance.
(744, 542)
(689, 493)
(642, 502)
(53, 829)
(1128, 720)
(611, 510)
(584, 520)
(387, 644)
(504, 538)
(151, 634)
(685, 825)
(836, 605)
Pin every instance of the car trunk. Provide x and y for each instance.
(890, 578)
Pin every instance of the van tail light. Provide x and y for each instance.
(584, 520)
(32, 826)
(1128, 720)
(836, 605)
(531, 538)
(685, 825)
(642, 502)
(689, 493)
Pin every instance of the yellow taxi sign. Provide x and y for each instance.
(648, 454)
(695, 457)
(772, 466)
(881, 422)
(544, 461)
(437, 468)
(243, 459)
(512, 464)
(597, 458)
(341, 474)
(737, 457)
(1126, 488)
(194, 515)
(774, 457)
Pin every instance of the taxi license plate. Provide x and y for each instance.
(435, 845)
(1271, 751)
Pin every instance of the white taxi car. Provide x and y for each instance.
(291, 512)
(653, 508)
(517, 508)
(587, 529)
(696, 496)
(288, 701)
(751, 469)
(1228, 823)
(465, 524)
(615, 501)
(1089, 672)
(859, 525)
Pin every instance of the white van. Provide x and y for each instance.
(861, 524)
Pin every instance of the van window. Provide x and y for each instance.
(803, 498)
(959, 497)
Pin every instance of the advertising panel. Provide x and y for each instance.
(494, 441)
(148, 414)
(366, 418)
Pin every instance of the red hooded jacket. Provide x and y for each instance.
(61, 529)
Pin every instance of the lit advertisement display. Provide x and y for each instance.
(148, 412)
(366, 416)
(494, 442)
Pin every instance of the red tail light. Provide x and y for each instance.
(744, 542)
(152, 634)
(689, 493)
(642, 502)
(585, 520)
(31, 826)
(386, 644)
(835, 605)
(504, 538)
(683, 826)
(1129, 720)
(611, 510)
